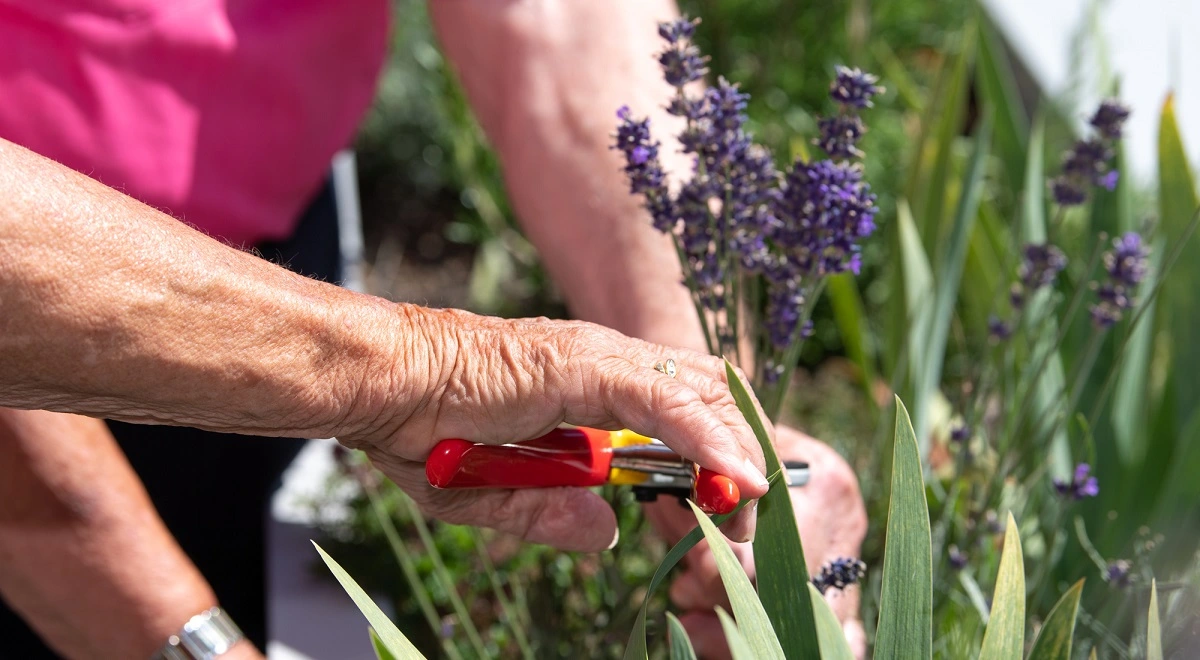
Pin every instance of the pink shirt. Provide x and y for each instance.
(223, 113)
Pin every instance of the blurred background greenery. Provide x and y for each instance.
(440, 231)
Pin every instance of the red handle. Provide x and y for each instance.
(563, 457)
(715, 493)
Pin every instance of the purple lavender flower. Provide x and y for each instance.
(1118, 573)
(677, 30)
(958, 558)
(1110, 118)
(826, 208)
(853, 88)
(784, 303)
(839, 136)
(681, 61)
(1126, 267)
(998, 329)
(1087, 163)
(643, 168)
(839, 574)
(1080, 486)
(1041, 265)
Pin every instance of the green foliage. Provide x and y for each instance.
(957, 203)
(1005, 636)
(681, 645)
(829, 630)
(382, 628)
(1057, 634)
(753, 623)
(906, 604)
(778, 551)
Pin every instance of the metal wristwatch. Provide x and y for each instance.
(204, 637)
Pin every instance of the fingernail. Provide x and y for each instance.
(616, 537)
(752, 513)
(754, 474)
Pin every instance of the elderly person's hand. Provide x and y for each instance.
(832, 522)
(499, 381)
(112, 309)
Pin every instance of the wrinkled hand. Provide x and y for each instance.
(832, 522)
(498, 381)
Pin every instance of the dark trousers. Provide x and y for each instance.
(211, 489)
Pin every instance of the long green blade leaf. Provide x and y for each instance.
(949, 276)
(829, 630)
(778, 552)
(1153, 628)
(391, 637)
(681, 644)
(739, 648)
(381, 651)
(851, 320)
(1047, 400)
(636, 648)
(918, 287)
(1005, 635)
(1056, 636)
(906, 604)
(752, 618)
(1178, 200)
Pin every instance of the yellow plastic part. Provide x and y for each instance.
(625, 438)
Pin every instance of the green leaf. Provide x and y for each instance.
(906, 603)
(752, 618)
(1153, 628)
(778, 552)
(1130, 403)
(1177, 202)
(998, 87)
(949, 276)
(929, 201)
(636, 648)
(681, 645)
(1048, 401)
(918, 287)
(739, 648)
(1005, 635)
(851, 320)
(1055, 638)
(389, 636)
(829, 630)
(381, 651)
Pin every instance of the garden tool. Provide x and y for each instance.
(586, 457)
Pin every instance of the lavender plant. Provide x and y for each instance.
(756, 244)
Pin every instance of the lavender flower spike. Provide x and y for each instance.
(1087, 163)
(1081, 485)
(1110, 118)
(854, 88)
(1126, 267)
(839, 574)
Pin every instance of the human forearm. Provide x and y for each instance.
(83, 555)
(546, 80)
(113, 309)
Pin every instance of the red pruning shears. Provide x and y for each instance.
(581, 457)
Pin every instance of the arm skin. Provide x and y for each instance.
(83, 556)
(113, 309)
(545, 79)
